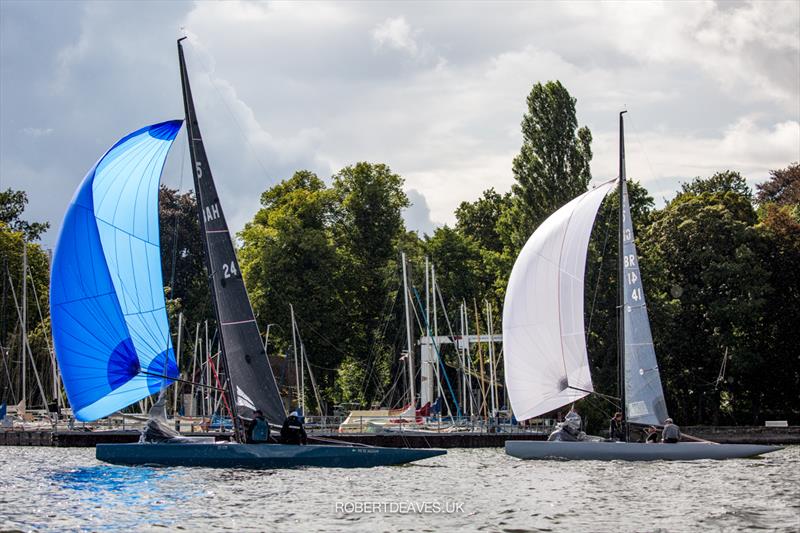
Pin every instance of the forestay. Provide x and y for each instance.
(251, 382)
(644, 396)
(546, 363)
(106, 291)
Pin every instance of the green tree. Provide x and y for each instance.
(11, 249)
(553, 164)
(772, 394)
(12, 205)
(721, 182)
(710, 297)
(183, 256)
(288, 257)
(478, 220)
(367, 229)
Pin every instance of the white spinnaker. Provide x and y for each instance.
(546, 364)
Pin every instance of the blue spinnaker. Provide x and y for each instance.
(106, 291)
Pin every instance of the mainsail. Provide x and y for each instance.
(106, 291)
(546, 363)
(644, 397)
(251, 382)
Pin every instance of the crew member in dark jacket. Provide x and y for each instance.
(615, 429)
(293, 431)
(257, 429)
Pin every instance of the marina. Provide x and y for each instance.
(386, 266)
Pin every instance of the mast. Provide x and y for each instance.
(492, 379)
(621, 282)
(250, 383)
(178, 364)
(24, 323)
(294, 353)
(410, 354)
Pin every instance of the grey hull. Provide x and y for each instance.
(624, 451)
(267, 456)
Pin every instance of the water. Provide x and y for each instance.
(67, 489)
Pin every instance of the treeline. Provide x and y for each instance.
(720, 262)
(19, 237)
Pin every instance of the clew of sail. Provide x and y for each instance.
(252, 383)
(546, 364)
(644, 396)
(107, 305)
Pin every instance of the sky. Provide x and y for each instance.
(435, 90)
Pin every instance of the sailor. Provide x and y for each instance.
(569, 430)
(615, 430)
(292, 431)
(651, 435)
(671, 433)
(258, 428)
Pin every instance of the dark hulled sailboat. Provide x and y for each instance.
(110, 322)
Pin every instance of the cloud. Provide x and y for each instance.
(434, 90)
(395, 33)
(660, 161)
(418, 216)
(37, 132)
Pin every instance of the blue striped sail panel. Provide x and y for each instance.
(107, 303)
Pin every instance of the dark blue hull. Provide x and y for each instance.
(231, 455)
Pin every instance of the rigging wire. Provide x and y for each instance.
(207, 72)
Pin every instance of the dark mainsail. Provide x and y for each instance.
(251, 382)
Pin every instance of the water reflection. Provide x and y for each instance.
(116, 497)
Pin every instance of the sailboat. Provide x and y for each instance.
(547, 365)
(109, 317)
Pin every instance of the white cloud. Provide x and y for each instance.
(37, 132)
(395, 33)
(660, 161)
(437, 92)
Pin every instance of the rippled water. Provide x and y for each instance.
(67, 489)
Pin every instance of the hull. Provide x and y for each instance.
(266, 456)
(624, 451)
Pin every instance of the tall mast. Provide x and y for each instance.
(25, 324)
(621, 280)
(410, 354)
(294, 353)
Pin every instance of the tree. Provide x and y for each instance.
(183, 255)
(709, 297)
(288, 257)
(478, 219)
(719, 183)
(367, 229)
(11, 249)
(783, 187)
(553, 164)
(12, 205)
(779, 227)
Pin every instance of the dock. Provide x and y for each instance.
(86, 439)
